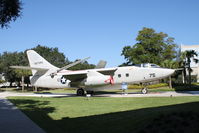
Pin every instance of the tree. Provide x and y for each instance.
(52, 55)
(9, 59)
(151, 47)
(10, 10)
(190, 54)
(182, 64)
(23, 74)
(169, 64)
(172, 65)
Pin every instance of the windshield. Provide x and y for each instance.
(148, 65)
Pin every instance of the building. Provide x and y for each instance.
(194, 66)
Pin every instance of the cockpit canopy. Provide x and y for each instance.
(148, 65)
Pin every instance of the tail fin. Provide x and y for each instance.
(101, 64)
(35, 60)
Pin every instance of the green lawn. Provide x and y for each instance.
(116, 115)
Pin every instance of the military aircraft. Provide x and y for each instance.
(46, 75)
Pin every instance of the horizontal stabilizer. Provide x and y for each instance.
(29, 68)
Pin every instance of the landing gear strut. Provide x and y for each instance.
(90, 92)
(80, 92)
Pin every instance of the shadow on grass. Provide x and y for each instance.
(1, 90)
(185, 87)
(183, 118)
(107, 92)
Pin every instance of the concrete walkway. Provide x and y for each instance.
(152, 94)
(12, 120)
(155, 94)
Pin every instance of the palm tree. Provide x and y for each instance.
(190, 54)
(22, 74)
(182, 64)
(172, 65)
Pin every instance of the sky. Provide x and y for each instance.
(98, 28)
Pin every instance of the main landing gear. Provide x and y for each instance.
(81, 92)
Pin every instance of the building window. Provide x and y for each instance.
(119, 75)
(127, 75)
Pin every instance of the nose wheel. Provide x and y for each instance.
(144, 90)
(80, 92)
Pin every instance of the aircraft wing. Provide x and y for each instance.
(76, 77)
(29, 68)
(107, 71)
(68, 66)
(79, 76)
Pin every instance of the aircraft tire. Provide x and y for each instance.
(144, 90)
(80, 92)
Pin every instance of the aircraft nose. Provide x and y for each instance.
(170, 71)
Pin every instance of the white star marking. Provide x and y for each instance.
(63, 80)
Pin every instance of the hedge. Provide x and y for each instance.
(148, 86)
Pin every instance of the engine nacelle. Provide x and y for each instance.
(96, 78)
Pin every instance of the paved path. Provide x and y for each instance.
(9, 93)
(155, 94)
(12, 120)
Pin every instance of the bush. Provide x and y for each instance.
(2, 81)
(148, 86)
(158, 85)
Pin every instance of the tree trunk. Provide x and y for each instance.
(35, 89)
(22, 83)
(183, 78)
(189, 69)
(10, 84)
(170, 83)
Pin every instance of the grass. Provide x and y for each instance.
(118, 115)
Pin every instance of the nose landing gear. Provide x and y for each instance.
(144, 90)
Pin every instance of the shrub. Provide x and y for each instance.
(148, 86)
(2, 81)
